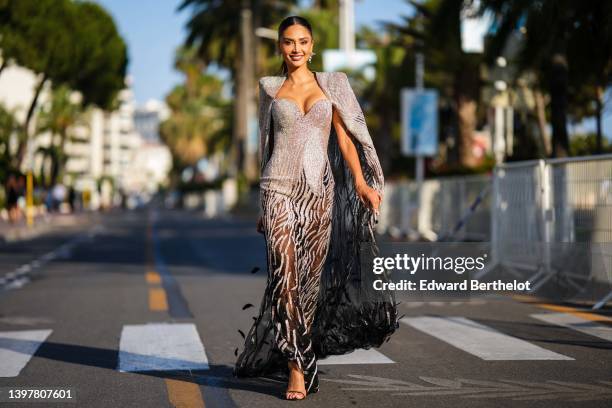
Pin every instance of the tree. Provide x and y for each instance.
(58, 118)
(8, 127)
(567, 43)
(200, 121)
(214, 29)
(39, 40)
(101, 57)
(64, 42)
(394, 70)
(435, 30)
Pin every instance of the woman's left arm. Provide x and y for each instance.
(366, 193)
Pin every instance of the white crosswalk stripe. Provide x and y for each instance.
(161, 347)
(177, 346)
(576, 323)
(17, 348)
(359, 356)
(480, 340)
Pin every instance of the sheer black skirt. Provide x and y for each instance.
(314, 304)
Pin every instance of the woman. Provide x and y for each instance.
(321, 188)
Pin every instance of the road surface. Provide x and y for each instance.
(143, 308)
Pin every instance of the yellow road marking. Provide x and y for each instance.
(562, 309)
(181, 394)
(184, 394)
(157, 299)
(153, 277)
(576, 312)
(526, 298)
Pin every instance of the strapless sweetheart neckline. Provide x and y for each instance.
(294, 103)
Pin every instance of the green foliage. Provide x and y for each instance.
(37, 35)
(567, 43)
(435, 31)
(8, 126)
(198, 186)
(63, 112)
(58, 118)
(200, 122)
(449, 169)
(394, 70)
(214, 27)
(586, 145)
(74, 44)
(242, 184)
(101, 56)
(580, 29)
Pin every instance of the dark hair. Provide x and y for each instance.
(287, 22)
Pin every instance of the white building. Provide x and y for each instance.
(17, 87)
(109, 149)
(148, 117)
(107, 152)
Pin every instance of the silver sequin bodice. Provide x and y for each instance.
(300, 144)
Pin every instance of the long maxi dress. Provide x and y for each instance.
(318, 301)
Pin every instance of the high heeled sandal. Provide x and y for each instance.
(295, 399)
(303, 393)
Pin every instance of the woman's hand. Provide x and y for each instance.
(260, 225)
(369, 196)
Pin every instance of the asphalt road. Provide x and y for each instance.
(142, 309)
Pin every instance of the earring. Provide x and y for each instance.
(311, 54)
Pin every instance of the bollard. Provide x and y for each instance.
(29, 199)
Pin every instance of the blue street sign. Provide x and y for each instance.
(419, 122)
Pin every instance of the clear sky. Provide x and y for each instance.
(153, 29)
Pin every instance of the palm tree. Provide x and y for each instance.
(58, 118)
(435, 30)
(9, 126)
(394, 70)
(199, 124)
(215, 30)
(567, 43)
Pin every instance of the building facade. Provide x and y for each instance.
(108, 154)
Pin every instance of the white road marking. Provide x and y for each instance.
(161, 347)
(48, 256)
(480, 340)
(576, 323)
(63, 251)
(17, 283)
(26, 320)
(23, 268)
(17, 348)
(359, 356)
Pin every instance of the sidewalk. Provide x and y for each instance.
(42, 224)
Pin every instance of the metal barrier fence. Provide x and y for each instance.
(548, 221)
(444, 203)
